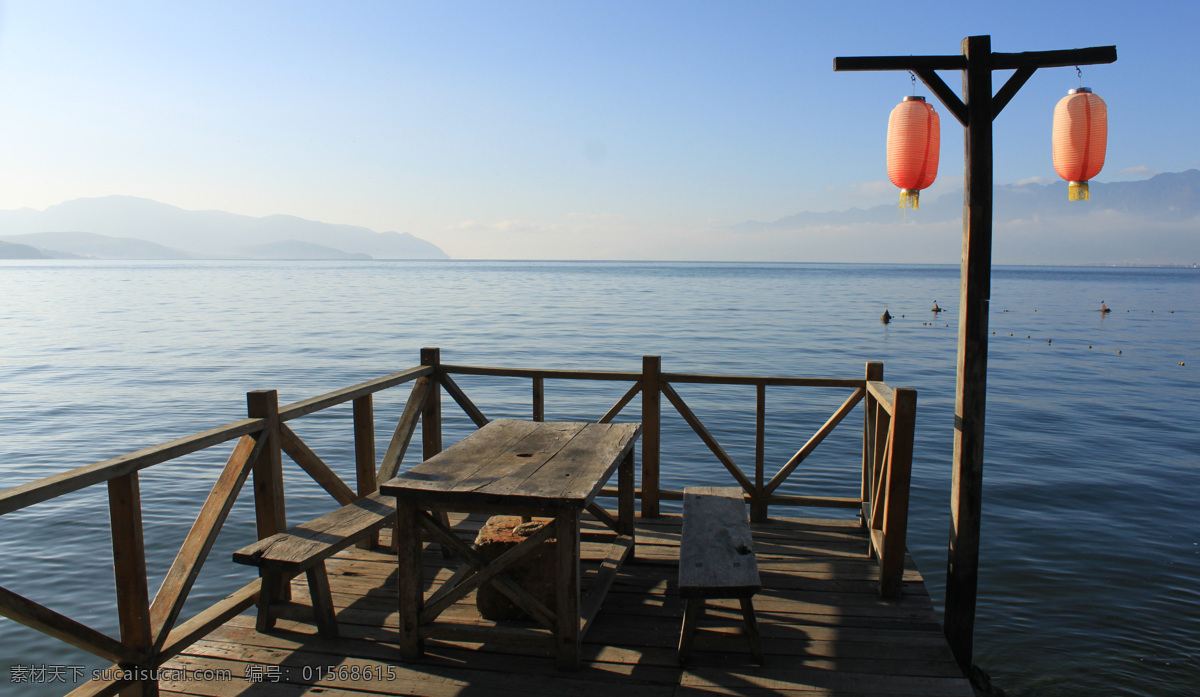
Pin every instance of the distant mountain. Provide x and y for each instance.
(1154, 221)
(88, 244)
(9, 250)
(291, 249)
(205, 234)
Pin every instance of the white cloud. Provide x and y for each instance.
(1139, 171)
(1032, 180)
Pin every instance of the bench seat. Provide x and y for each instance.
(716, 560)
(304, 548)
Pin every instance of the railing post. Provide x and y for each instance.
(899, 475)
(651, 433)
(758, 507)
(129, 567)
(874, 373)
(269, 512)
(268, 469)
(539, 399)
(431, 417)
(364, 454)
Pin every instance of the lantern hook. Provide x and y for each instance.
(913, 79)
(1079, 74)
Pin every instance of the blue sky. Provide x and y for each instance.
(545, 129)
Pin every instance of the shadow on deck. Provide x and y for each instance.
(825, 631)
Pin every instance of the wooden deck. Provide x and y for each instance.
(825, 632)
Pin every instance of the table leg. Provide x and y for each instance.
(566, 612)
(625, 497)
(411, 590)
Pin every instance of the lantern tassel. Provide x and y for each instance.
(1078, 191)
(910, 198)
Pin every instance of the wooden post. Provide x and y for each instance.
(758, 507)
(874, 373)
(364, 455)
(268, 469)
(539, 399)
(966, 488)
(651, 433)
(975, 112)
(567, 586)
(431, 417)
(899, 474)
(129, 567)
(268, 474)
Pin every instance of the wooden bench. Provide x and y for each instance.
(284, 555)
(716, 560)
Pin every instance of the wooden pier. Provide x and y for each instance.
(825, 631)
(842, 610)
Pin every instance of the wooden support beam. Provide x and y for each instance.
(689, 416)
(365, 462)
(431, 417)
(173, 592)
(1014, 83)
(21, 609)
(316, 468)
(129, 567)
(539, 398)
(651, 432)
(405, 427)
(463, 400)
(830, 424)
(944, 94)
(621, 403)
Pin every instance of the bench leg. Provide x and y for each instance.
(691, 613)
(752, 630)
(268, 595)
(322, 601)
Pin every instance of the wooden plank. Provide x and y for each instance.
(299, 547)
(31, 614)
(178, 581)
(321, 402)
(463, 400)
(716, 557)
(874, 371)
(1095, 55)
(540, 372)
(516, 474)
(405, 427)
(830, 424)
(883, 393)
(567, 589)
(690, 417)
(952, 62)
(316, 468)
(445, 471)
(590, 604)
(431, 417)
(47, 488)
(758, 506)
(583, 465)
(760, 380)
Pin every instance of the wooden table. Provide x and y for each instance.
(546, 469)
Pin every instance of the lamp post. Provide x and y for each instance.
(975, 112)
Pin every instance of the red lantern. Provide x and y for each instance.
(913, 142)
(1080, 139)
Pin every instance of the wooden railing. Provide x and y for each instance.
(150, 630)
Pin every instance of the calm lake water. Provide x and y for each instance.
(1091, 550)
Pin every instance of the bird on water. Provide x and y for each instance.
(936, 309)
(886, 316)
(1104, 309)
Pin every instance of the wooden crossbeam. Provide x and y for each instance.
(173, 592)
(463, 400)
(625, 399)
(404, 429)
(316, 468)
(813, 442)
(488, 571)
(687, 414)
(31, 614)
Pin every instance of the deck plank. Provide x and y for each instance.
(826, 631)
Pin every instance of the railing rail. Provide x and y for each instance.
(150, 630)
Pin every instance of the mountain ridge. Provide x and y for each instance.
(120, 222)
